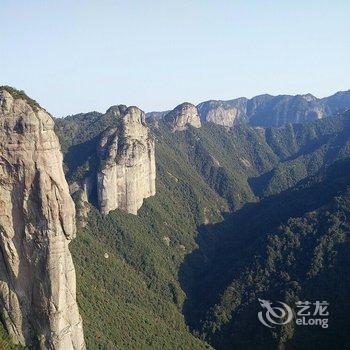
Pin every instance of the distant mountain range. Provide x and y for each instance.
(269, 111)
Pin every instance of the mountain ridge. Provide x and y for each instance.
(268, 110)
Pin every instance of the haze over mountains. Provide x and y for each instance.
(184, 220)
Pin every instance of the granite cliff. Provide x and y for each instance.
(127, 162)
(112, 160)
(37, 222)
(225, 113)
(182, 116)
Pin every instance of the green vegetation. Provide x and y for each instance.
(304, 149)
(185, 254)
(128, 300)
(133, 299)
(20, 94)
(292, 247)
(226, 159)
(5, 341)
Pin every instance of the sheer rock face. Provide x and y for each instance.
(127, 162)
(182, 116)
(37, 222)
(222, 112)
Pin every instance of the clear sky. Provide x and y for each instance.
(76, 56)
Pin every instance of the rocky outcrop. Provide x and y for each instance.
(127, 162)
(225, 113)
(82, 192)
(263, 110)
(273, 111)
(37, 222)
(182, 116)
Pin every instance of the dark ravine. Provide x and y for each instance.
(288, 247)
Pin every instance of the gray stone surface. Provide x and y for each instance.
(37, 222)
(182, 116)
(127, 158)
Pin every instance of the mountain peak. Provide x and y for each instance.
(9, 91)
(182, 116)
(308, 97)
(116, 110)
(127, 164)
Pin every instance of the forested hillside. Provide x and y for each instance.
(134, 271)
(289, 247)
(136, 288)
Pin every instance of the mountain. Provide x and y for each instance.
(179, 260)
(225, 113)
(204, 176)
(269, 111)
(136, 299)
(156, 115)
(182, 116)
(117, 160)
(127, 165)
(37, 222)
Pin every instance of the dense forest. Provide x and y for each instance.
(240, 213)
(234, 210)
(290, 247)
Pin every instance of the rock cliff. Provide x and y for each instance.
(182, 116)
(37, 222)
(273, 111)
(225, 113)
(127, 162)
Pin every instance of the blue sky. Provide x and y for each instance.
(77, 56)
